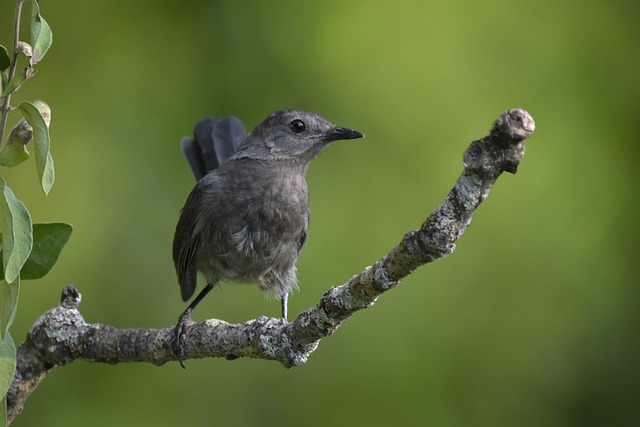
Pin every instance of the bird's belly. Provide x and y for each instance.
(266, 257)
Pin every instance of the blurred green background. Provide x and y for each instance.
(532, 321)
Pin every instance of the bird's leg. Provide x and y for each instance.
(283, 300)
(185, 320)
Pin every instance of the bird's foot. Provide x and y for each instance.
(283, 301)
(181, 336)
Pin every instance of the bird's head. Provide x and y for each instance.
(293, 134)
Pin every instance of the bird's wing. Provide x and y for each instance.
(185, 242)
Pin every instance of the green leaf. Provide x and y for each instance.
(17, 237)
(48, 241)
(8, 304)
(38, 115)
(41, 35)
(5, 63)
(17, 80)
(5, 60)
(7, 363)
(4, 77)
(15, 151)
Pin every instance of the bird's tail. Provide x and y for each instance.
(213, 142)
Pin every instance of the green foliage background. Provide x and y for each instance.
(532, 321)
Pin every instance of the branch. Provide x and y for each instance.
(61, 335)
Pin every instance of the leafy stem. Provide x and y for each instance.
(12, 69)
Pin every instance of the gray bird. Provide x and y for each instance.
(246, 219)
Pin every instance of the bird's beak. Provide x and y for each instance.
(343, 133)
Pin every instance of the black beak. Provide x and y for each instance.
(343, 133)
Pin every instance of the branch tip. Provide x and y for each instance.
(70, 297)
(513, 126)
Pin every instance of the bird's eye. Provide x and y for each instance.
(297, 126)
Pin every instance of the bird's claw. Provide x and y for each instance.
(181, 336)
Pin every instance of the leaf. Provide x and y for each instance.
(17, 80)
(41, 35)
(7, 363)
(15, 151)
(48, 241)
(38, 115)
(5, 60)
(8, 304)
(5, 63)
(44, 110)
(4, 77)
(17, 237)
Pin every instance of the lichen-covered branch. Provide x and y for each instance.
(61, 335)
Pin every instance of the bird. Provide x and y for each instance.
(247, 217)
